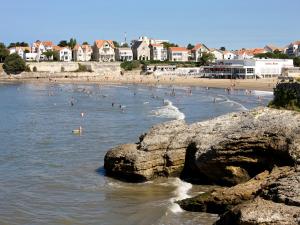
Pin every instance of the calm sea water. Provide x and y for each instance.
(50, 176)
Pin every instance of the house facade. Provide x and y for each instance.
(124, 54)
(141, 50)
(158, 52)
(64, 53)
(178, 54)
(293, 49)
(21, 51)
(197, 51)
(228, 55)
(272, 48)
(39, 47)
(82, 53)
(217, 53)
(104, 51)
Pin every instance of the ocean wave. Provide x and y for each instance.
(181, 192)
(232, 102)
(263, 93)
(169, 111)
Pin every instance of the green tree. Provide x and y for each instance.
(49, 54)
(125, 45)
(85, 43)
(3, 52)
(272, 55)
(168, 45)
(297, 61)
(190, 46)
(63, 43)
(72, 43)
(18, 44)
(223, 49)
(56, 56)
(206, 59)
(130, 65)
(14, 64)
(116, 44)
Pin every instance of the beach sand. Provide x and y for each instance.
(249, 84)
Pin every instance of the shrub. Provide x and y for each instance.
(27, 69)
(14, 64)
(287, 96)
(83, 68)
(34, 69)
(130, 65)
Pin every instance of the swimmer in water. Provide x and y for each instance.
(112, 104)
(82, 114)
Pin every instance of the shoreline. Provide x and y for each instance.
(260, 84)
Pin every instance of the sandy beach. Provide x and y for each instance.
(127, 78)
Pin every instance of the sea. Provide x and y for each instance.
(50, 175)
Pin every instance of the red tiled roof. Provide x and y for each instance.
(47, 43)
(197, 46)
(100, 43)
(178, 49)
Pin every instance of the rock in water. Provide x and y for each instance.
(256, 153)
(159, 153)
(227, 150)
(261, 212)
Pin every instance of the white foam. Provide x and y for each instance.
(241, 107)
(181, 192)
(169, 111)
(263, 93)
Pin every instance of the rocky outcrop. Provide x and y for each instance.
(255, 153)
(261, 212)
(160, 152)
(219, 200)
(226, 150)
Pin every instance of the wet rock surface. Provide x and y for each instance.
(253, 155)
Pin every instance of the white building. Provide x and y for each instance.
(228, 55)
(293, 49)
(217, 53)
(104, 51)
(64, 53)
(178, 54)
(31, 57)
(40, 47)
(82, 53)
(19, 50)
(124, 54)
(247, 68)
(141, 50)
(197, 52)
(158, 52)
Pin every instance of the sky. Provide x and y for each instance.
(234, 24)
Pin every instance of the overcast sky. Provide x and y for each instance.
(230, 23)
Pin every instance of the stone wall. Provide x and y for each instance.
(57, 67)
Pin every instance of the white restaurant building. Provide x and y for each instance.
(247, 68)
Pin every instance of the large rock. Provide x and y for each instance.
(284, 190)
(256, 153)
(261, 212)
(220, 200)
(160, 152)
(226, 150)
